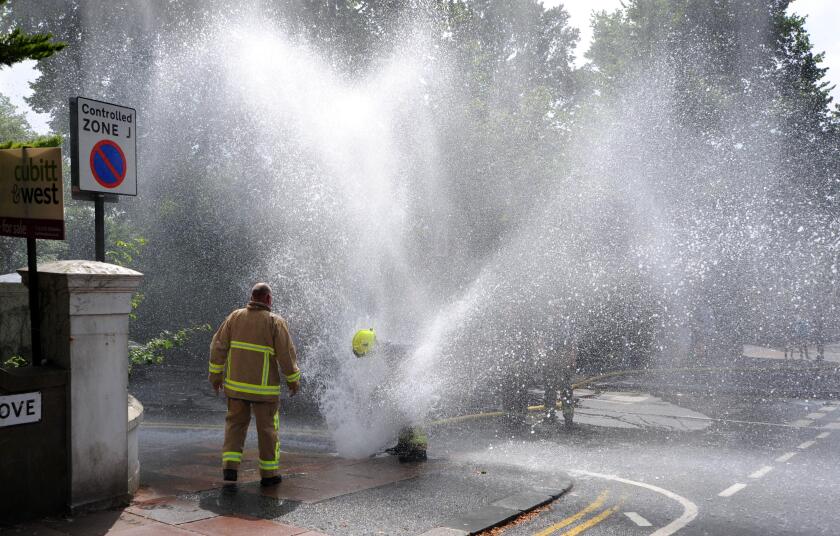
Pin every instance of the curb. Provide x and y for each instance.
(500, 511)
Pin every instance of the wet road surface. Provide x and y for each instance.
(728, 464)
(769, 477)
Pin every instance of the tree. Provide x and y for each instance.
(504, 115)
(18, 46)
(508, 124)
(726, 115)
(13, 124)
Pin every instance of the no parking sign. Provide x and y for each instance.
(103, 148)
(108, 164)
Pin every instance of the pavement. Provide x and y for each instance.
(182, 492)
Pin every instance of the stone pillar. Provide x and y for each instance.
(85, 307)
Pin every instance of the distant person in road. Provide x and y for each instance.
(802, 332)
(819, 335)
(568, 365)
(559, 361)
(249, 355)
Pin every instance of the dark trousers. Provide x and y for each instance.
(236, 429)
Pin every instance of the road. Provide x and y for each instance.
(681, 463)
(767, 468)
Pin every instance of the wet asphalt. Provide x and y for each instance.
(762, 465)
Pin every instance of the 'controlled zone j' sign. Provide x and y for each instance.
(103, 148)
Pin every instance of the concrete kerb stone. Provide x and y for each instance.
(524, 500)
(500, 511)
(445, 531)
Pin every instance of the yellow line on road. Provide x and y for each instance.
(592, 522)
(464, 418)
(594, 505)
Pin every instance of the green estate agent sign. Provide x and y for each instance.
(31, 193)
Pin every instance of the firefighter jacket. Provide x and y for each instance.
(252, 351)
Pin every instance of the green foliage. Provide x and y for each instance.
(505, 103)
(15, 361)
(15, 131)
(35, 143)
(125, 252)
(136, 300)
(17, 46)
(13, 124)
(154, 350)
(735, 45)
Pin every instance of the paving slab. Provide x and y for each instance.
(171, 510)
(95, 524)
(153, 530)
(242, 499)
(31, 529)
(237, 525)
(308, 478)
(331, 482)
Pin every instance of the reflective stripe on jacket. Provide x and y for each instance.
(253, 352)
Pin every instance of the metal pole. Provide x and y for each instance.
(99, 224)
(34, 307)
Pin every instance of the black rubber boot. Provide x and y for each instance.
(270, 481)
(229, 475)
(411, 446)
(413, 455)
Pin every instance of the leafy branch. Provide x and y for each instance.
(136, 300)
(16, 361)
(124, 253)
(153, 351)
(18, 46)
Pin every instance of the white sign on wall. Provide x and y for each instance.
(103, 147)
(20, 409)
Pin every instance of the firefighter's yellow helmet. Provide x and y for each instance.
(363, 342)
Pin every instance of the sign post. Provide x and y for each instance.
(31, 207)
(103, 155)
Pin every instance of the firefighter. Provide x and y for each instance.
(412, 441)
(249, 356)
